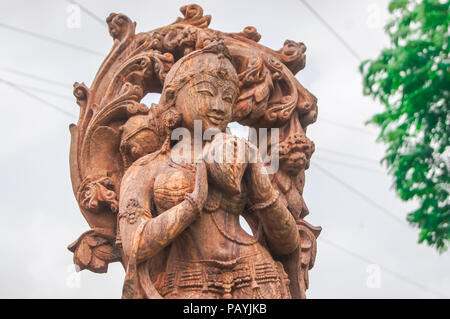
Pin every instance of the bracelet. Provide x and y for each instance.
(270, 202)
(192, 201)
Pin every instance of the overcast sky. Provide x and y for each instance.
(40, 216)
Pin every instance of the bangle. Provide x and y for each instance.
(193, 202)
(270, 202)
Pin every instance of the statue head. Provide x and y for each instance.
(138, 138)
(202, 85)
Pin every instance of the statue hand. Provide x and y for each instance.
(258, 181)
(200, 192)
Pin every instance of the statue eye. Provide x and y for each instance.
(206, 92)
(228, 99)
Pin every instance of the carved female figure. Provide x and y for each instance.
(179, 223)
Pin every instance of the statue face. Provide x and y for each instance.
(209, 99)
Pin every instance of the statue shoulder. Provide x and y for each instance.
(144, 166)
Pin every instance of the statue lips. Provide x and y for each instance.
(225, 162)
(215, 117)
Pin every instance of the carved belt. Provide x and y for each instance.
(208, 276)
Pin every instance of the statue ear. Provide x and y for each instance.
(169, 96)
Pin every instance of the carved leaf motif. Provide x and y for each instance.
(120, 26)
(83, 254)
(308, 245)
(95, 241)
(193, 14)
(256, 84)
(293, 55)
(103, 252)
(97, 191)
(94, 251)
(250, 33)
(97, 264)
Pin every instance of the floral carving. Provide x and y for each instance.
(133, 211)
(94, 251)
(193, 14)
(293, 55)
(81, 92)
(96, 193)
(120, 26)
(250, 33)
(295, 152)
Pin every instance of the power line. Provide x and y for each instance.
(21, 73)
(391, 272)
(50, 39)
(89, 13)
(347, 126)
(360, 158)
(352, 165)
(360, 195)
(51, 105)
(331, 29)
(36, 89)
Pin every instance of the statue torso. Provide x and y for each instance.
(214, 256)
(219, 219)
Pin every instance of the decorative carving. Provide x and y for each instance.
(250, 33)
(133, 211)
(293, 55)
(94, 251)
(95, 192)
(183, 216)
(193, 14)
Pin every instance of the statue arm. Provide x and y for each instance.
(279, 226)
(160, 231)
(135, 218)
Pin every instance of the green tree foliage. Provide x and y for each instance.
(411, 79)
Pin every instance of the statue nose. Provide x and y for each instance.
(218, 107)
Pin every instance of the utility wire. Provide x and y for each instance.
(359, 194)
(38, 98)
(347, 126)
(332, 30)
(360, 158)
(50, 39)
(391, 272)
(35, 77)
(352, 165)
(36, 89)
(90, 13)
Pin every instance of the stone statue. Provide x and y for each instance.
(163, 188)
